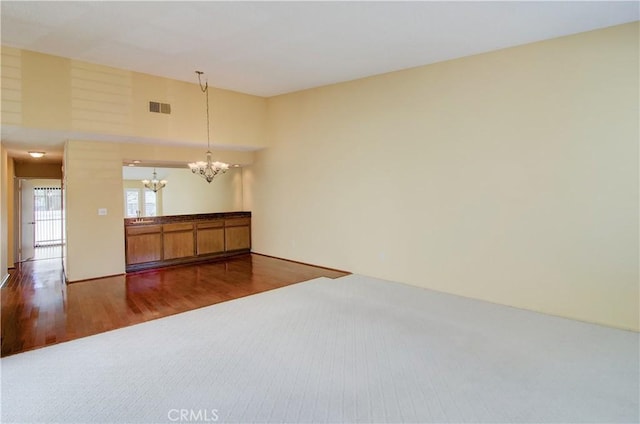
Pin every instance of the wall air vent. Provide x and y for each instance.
(160, 107)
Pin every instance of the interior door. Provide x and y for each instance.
(27, 221)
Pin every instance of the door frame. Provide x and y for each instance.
(20, 221)
(17, 248)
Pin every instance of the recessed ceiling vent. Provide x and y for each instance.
(160, 107)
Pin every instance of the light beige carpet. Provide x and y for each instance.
(353, 349)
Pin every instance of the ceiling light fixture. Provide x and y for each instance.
(154, 184)
(207, 169)
(36, 154)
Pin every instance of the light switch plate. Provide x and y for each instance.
(102, 211)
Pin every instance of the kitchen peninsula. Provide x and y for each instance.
(158, 241)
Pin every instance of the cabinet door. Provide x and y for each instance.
(143, 248)
(178, 241)
(237, 238)
(210, 240)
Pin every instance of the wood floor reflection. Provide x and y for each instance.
(38, 309)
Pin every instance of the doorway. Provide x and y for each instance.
(41, 222)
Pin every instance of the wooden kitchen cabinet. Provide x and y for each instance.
(172, 240)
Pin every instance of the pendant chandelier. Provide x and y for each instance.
(209, 168)
(154, 184)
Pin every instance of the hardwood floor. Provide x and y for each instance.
(39, 309)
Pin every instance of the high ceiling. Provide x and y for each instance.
(270, 48)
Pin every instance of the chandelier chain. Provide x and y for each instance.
(205, 90)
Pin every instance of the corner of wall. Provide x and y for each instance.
(3, 213)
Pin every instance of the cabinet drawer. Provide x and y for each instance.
(211, 224)
(143, 229)
(236, 222)
(168, 228)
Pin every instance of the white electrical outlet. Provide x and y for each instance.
(102, 211)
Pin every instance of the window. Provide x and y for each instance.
(149, 203)
(140, 202)
(132, 203)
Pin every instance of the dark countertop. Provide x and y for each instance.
(168, 219)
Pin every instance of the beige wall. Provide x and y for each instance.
(11, 93)
(186, 193)
(34, 169)
(93, 181)
(236, 119)
(55, 93)
(510, 176)
(46, 88)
